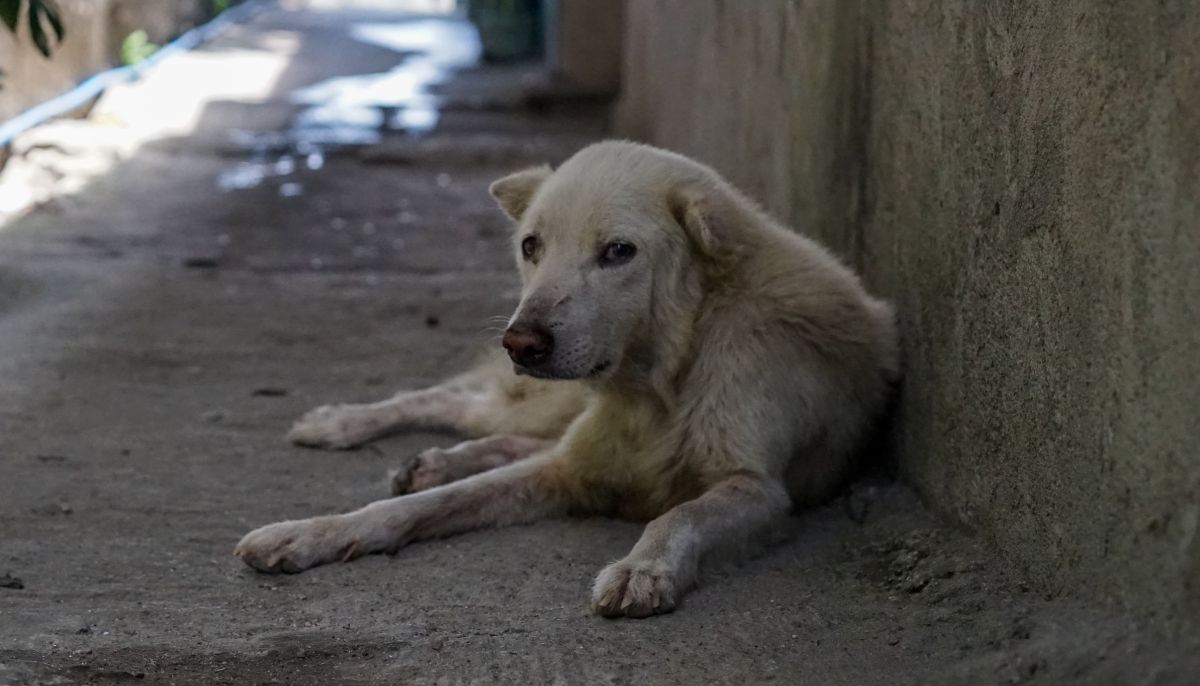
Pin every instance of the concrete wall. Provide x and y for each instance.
(162, 20)
(30, 78)
(1023, 179)
(94, 32)
(584, 43)
(760, 90)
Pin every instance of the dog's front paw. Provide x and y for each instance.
(338, 427)
(295, 546)
(635, 589)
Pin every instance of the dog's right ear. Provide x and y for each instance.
(515, 191)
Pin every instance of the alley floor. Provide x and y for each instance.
(253, 229)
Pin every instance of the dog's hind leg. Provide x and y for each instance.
(347, 426)
(486, 400)
(435, 467)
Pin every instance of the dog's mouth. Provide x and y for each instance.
(537, 373)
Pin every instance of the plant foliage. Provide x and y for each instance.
(43, 18)
(136, 47)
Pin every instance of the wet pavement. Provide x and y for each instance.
(296, 213)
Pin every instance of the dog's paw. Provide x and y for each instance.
(295, 546)
(422, 472)
(338, 427)
(634, 589)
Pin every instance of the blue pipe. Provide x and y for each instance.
(95, 85)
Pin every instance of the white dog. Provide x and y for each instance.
(680, 358)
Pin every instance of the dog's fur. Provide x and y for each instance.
(728, 370)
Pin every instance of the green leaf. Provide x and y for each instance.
(136, 47)
(44, 11)
(10, 12)
(53, 15)
(37, 33)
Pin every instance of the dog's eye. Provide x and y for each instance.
(617, 252)
(529, 247)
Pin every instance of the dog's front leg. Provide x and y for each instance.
(663, 565)
(521, 492)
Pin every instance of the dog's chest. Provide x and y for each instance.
(629, 469)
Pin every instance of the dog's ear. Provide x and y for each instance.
(693, 209)
(515, 191)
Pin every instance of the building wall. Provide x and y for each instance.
(30, 78)
(584, 43)
(1022, 179)
(94, 32)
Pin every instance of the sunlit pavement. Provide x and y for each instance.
(296, 214)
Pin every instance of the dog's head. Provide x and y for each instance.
(609, 247)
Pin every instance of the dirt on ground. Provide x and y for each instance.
(210, 266)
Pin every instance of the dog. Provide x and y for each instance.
(677, 357)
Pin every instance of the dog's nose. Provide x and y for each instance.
(527, 345)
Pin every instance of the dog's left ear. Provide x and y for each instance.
(515, 192)
(693, 209)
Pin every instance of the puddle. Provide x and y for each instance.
(359, 110)
(290, 189)
(262, 165)
(400, 99)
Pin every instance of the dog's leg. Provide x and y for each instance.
(663, 564)
(489, 399)
(521, 492)
(435, 467)
(347, 426)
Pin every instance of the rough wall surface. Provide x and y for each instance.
(94, 32)
(584, 43)
(1023, 180)
(30, 78)
(764, 91)
(160, 19)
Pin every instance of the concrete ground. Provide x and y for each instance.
(217, 260)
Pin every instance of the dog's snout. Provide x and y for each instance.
(528, 345)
